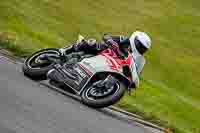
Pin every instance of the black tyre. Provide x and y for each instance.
(35, 70)
(103, 101)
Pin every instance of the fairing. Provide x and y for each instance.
(108, 61)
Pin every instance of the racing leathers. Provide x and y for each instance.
(91, 46)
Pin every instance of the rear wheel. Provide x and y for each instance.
(36, 68)
(102, 97)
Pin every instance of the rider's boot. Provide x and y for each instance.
(73, 48)
(67, 50)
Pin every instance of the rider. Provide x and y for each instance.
(138, 43)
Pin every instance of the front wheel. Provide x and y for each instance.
(36, 68)
(102, 97)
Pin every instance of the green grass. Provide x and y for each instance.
(169, 92)
(162, 106)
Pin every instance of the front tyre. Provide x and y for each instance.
(35, 68)
(100, 98)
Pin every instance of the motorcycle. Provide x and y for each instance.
(99, 80)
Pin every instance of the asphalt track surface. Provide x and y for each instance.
(28, 107)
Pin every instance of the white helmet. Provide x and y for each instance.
(140, 42)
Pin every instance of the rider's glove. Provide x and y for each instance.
(114, 45)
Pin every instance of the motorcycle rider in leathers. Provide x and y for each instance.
(138, 44)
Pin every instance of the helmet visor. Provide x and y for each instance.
(139, 46)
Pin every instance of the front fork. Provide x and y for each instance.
(110, 80)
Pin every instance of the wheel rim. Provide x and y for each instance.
(95, 94)
(35, 63)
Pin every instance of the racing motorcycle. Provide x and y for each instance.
(99, 80)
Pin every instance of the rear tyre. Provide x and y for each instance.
(113, 95)
(37, 70)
